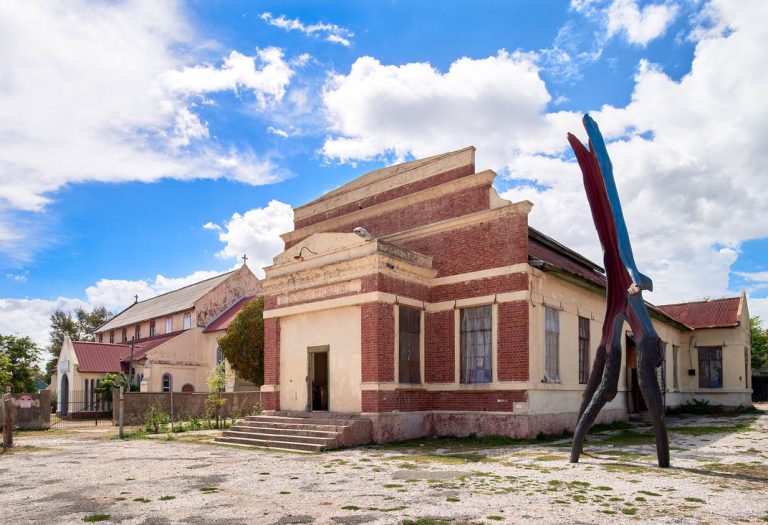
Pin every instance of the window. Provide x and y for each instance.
(219, 355)
(409, 351)
(187, 321)
(746, 368)
(111, 336)
(137, 332)
(583, 350)
(188, 388)
(167, 383)
(101, 338)
(475, 350)
(710, 367)
(168, 324)
(675, 380)
(125, 335)
(152, 329)
(551, 344)
(661, 371)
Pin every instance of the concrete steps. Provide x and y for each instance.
(306, 433)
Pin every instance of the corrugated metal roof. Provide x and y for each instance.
(222, 321)
(107, 357)
(715, 313)
(167, 303)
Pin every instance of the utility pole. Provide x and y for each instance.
(130, 366)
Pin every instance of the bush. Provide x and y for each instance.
(155, 420)
(700, 407)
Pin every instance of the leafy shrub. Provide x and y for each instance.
(155, 420)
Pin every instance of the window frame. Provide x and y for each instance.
(398, 344)
(551, 376)
(170, 383)
(152, 328)
(112, 336)
(169, 324)
(186, 323)
(675, 368)
(491, 343)
(584, 341)
(702, 357)
(124, 335)
(137, 332)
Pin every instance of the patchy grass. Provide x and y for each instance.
(712, 429)
(209, 490)
(648, 493)
(92, 518)
(142, 500)
(426, 521)
(468, 443)
(452, 499)
(695, 500)
(629, 511)
(495, 518)
(350, 507)
(167, 498)
(629, 438)
(607, 427)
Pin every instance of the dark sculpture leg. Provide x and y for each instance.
(649, 386)
(603, 395)
(595, 377)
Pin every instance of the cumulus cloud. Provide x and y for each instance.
(688, 153)
(30, 317)
(255, 233)
(639, 25)
(331, 32)
(105, 92)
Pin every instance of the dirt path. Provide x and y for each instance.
(719, 475)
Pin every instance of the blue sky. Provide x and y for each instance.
(147, 145)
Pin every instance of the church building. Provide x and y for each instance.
(417, 298)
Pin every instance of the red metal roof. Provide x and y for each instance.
(108, 357)
(222, 321)
(715, 313)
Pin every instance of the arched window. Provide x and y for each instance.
(167, 383)
(151, 328)
(219, 355)
(188, 388)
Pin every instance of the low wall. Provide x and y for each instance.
(183, 406)
(31, 411)
(397, 426)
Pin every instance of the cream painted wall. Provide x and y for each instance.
(189, 358)
(340, 330)
(178, 324)
(573, 301)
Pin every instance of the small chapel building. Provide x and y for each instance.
(168, 343)
(418, 298)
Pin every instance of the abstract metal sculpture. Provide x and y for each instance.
(624, 301)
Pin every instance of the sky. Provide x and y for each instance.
(145, 145)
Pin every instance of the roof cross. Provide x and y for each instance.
(245, 259)
(136, 298)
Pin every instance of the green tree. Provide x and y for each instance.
(78, 325)
(19, 355)
(243, 344)
(759, 337)
(110, 381)
(217, 381)
(5, 372)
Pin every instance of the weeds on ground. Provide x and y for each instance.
(92, 518)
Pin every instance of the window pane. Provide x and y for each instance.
(476, 345)
(710, 367)
(551, 343)
(410, 345)
(675, 380)
(583, 350)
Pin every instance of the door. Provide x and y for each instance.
(317, 379)
(64, 396)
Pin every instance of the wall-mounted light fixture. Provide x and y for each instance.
(299, 257)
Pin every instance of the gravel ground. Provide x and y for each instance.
(719, 475)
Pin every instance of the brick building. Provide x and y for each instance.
(452, 317)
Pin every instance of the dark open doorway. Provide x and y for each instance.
(318, 378)
(64, 396)
(635, 401)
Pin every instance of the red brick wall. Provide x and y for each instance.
(439, 209)
(410, 400)
(270, 400)
(377, 327)
(439, 347)
(513, 341)
(271, 351)
(394, 193)
(479, 287)
(390, 284)
(482, 246)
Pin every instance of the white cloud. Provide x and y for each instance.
(238, 71)
(332, 32)
(255, 233)
(105, 92)
(640, 25)
(688, 153)
(760, 277)
(30, 317)
(495, 103)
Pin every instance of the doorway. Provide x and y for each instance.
(64, 396)
(317, 379)
(635, 401)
